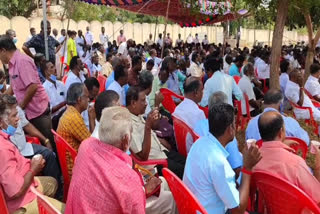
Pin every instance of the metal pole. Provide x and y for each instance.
(155, 30)
(165, 29)
(44, 9)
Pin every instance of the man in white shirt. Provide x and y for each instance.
(246, 87)
(89, 37)
(160, 40)
(75, 74)
(312, 85)
(188, 110)
(294, 92)
(121, 79)
(150, 41)
(195, 67)
(179, 40)
(80, 42)
(104, 38)
(189, 39)
(124, 47)
(205, 41)
(284, 77)
(196, 39)
(263, 67)
(219, 81)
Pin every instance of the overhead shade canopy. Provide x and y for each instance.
(181, 12)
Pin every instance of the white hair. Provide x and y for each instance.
(115, 124)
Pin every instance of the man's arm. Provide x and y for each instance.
(34, 132)
(31, 90)
(9, 91)
(58, 107)
(236, 91)
(58, 48)
(27, 51)
(301, 97)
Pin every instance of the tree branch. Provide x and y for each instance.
(307, 17)
(317, 37)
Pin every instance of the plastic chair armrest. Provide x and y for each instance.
(33, 140)
(162, 162)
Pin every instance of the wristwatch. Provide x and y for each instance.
(47, 141)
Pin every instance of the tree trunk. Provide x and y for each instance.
(309, 61)
(282, 13)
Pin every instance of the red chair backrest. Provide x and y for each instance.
(102, 81)
(33, 140)
(64, 78)
(63, 147)
(86, 66)
(45, 207)
(282, 197)
(308, 93)
(185, 199)
(236, 78)
(181, 131)
(168, 102)
(247, 106)
(3, 204)
(205, 110)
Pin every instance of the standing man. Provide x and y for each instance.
(32, 33)
(205, 41)
(55, 34)
(89, 37)
(121, 38)
(160, 40)
(81, 43)
(150, 40)
(179, 40)
(26, 86)
(37, 42)
(71, 46)
(104, 38)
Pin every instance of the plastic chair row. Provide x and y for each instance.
(242, 121)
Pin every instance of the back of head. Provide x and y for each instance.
(136, 60)
(270, 124)
(240, 58)
(91, 82)
(115, 61)
(293, 74)
(217, 98)
(212, 64)
(145, 79)
(74, 62)
(6, 103)
(221, 116)
(314, 68)
(284, 65)
(133, 94)
(150, 63)
(105, 100)
(166, 61)
(6, 43)
(119, 72)
(194, 56)
(75, 91)
(191, 85)
(273, 97)
(37, 58)
(115, 126)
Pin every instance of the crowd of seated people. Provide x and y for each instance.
(123, 118)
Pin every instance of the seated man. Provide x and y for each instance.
(71, 125)
(246, 87)
(234, 69)
(120, 80)
(188, 110)
(159, 82)
(273, 101)
(144, 142)
(279, 159)
(202, 129)
(17, 174)
(294, 92)
(312, 85)
(93, 86)
(208, 174)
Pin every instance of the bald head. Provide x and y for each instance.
(270, 125)
(295, 75)
(193, 89)
(217, 98)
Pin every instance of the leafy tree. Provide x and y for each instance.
(10, 8)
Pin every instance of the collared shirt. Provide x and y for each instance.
(19, 138)
(196, 70)
(115, 86)
(13, 168)
(123, 49)
(235, 157)
(23, 73)
(57, 94)
(173, 83)
(104, 181)
(104, 40)
(89, 38)
(121, 39)
(280, 160)
(160, 42)
(150, 42)
(234, 70)
(73, 129)
(293, 94)
(79, 42)
(72, 48)
(263, 70)
(221, 82)
(284, 78)
(189, 112)
(312, 85)
(37, 42)
(246, 87)
(205, 41)
(72, 78)
(110, 80)
(292, 128)
(138, 125)
(156, 86)
(210, 177)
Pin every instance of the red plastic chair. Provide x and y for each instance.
(162, 162)
(315, 103)
(181, 131)
(303, 147)
(33, 140)
(185, 199)
(281, 197)
(205, 110)
(3, 204)
(63, 147)
(45, 207)
(102, 81)
(310, 121)
(236, 79)
(242, 121)
(64, 78)
(265, 87)
(86, 66)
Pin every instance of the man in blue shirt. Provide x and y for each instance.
(209, 175)
(234, 70)
(273, 101)
(202, 129)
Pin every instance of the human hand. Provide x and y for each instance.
(91, 112)
(152, 184)
(251, 157)
(158, 99)
(37, 163)
(152, 118)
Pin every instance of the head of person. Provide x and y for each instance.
(150, 36)
(153, 53)
(195, 57)
(136, 100)
(78, 96)
(217, 98)
(95, 58)
(9, 117)
(296, 76)
(105, 99)
(315, 70)
(2, 79)
(125, 62)
(150, 64)
(273, 99)
(63, 32)
(205, 36)
(121, 32)
(93, 87)
(285, 66)
(169, 64)
(229, 59)
(80, 33)
(136, 63)
(55, 32)
(121, 75)
(76, 64)
(239, 61)
(48, 28)
(179, 35)
(248, 70)
(32, 31)
(222, 123)
(116, 127)
(163, 75)
(103, 30)
(193, 89)
(196, 35)
(212, 65)
(88, 28)
(130, 43)
(145, 81)
(109, 57)
(271, 126)
(39, 59)
(168, 35)
(49, 71)
(12, 34)
(160, 35)
(182, 65)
